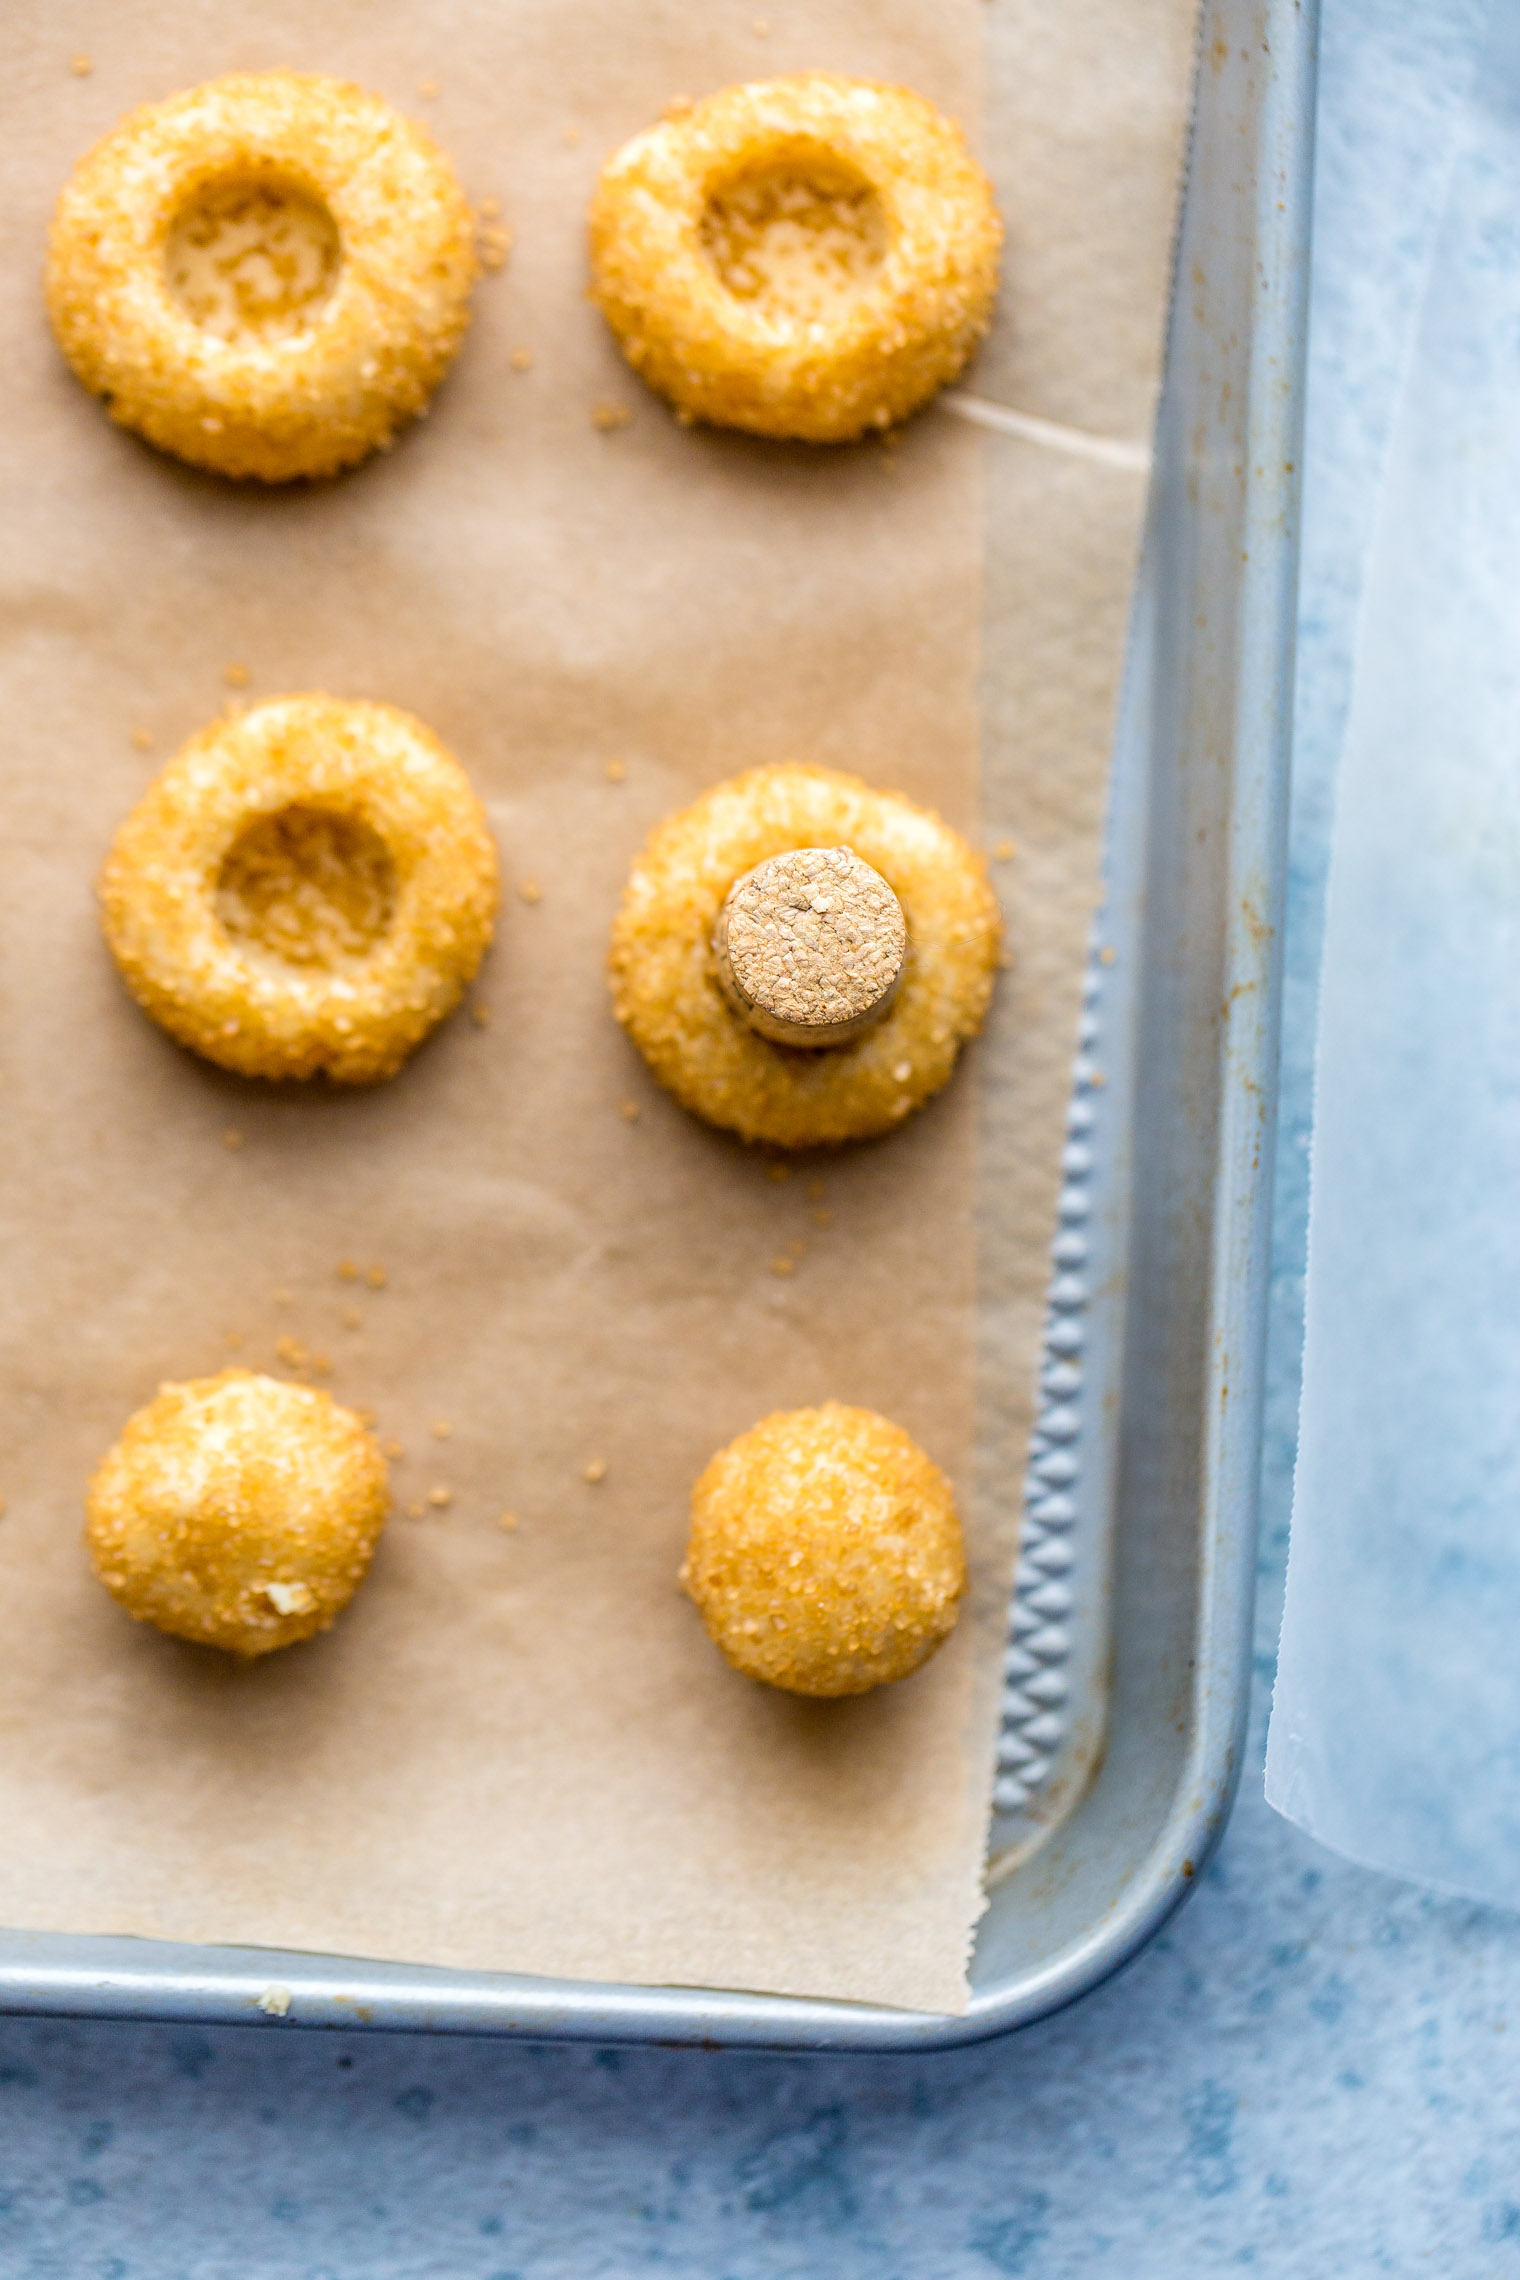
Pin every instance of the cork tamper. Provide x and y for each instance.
(810, 947)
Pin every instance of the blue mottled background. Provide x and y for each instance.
(1308, 2075)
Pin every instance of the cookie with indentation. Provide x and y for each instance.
(810, 257)
(309, 887)
(267, 275)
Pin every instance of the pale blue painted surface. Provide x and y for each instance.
(1396, 1712)
(1309, 2076)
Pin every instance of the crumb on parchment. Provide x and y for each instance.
(493, 242)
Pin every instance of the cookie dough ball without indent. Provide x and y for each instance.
(267, 275)
(668, 988)
(238, 1511)
(307, 888)
(825, 1553)
(809, 257)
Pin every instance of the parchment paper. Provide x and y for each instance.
(1395, 1731)
(518, 1750)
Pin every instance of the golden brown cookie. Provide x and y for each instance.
(665, 984)
(267, 275)
(237, 1511)
(808, 257)
(308, 887)
(825, 1552)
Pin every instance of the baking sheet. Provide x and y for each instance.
(517, 1751)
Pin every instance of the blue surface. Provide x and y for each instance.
(1396, 1717)
(1307, 2075)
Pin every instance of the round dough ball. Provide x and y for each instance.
(267, 275)
(664, 978)
(808, 257)
(237, 1511)
(825, 1553)
(308, 887)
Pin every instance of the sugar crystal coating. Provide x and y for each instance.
(267, 275)
(811, 256)
(309, 887)
(237, 1511)
(825, 1552)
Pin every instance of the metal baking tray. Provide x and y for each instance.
(1129, 1650)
